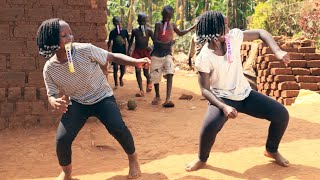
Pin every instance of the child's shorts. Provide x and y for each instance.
(161, 66)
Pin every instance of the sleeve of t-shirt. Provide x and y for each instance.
(99, 55)
(236, 37)
(202, 63)
(52, 88)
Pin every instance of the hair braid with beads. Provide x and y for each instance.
(210, 25)
(48, 37)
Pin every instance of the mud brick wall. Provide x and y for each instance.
(23, 100)
(282, 82)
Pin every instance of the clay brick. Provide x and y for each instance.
(265, 92)
(2, 94)
(84, 32)
(101, 33)
(23, 108)
(282, 78)
(264, 65)
(79, 3)
(95, 16)
(280, 100)
(307, 43)
(35, 79)
(3, 63)
(39, 108)
(12, 79)
(4, 31)
(244, 52)
(309, 86)
(290, 93)
(22, 63)
(12, 47)
(274, 85)
(281, 71)
(260, 86)
(270, 57)
(270, 78)
(6, 109)
(260, 59)
(277, 93)
(267, 86)
(266, 50)
(55, 2)
(32, 48)
(43, 94)
(300, 71)
(258, 80)
(14, 93)
(288, 86)
(39, 14)
(266, 72)
(30, 93)
(307, 79)
(4, 123)
(307, 50)
(20, 2)
(315, 71)
(263, 79)
(277, 64)
(11, 14)
(296, 56)
(313, 63)
(298, 63)
(290, 49)
(260, 73)
(69, 15)
(288, 101)
(312, 56)
(25, 31)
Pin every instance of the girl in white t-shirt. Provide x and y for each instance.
(223, 84)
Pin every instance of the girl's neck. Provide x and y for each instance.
(61, 56)
(219, 48)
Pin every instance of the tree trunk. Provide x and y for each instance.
(235, 14)
(244, 10)
(130, 16)
(150, 11)
(182, 12)
(228, 11)
(206, 6)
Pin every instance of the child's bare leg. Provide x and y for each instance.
(156, 99)
(278, 158)
(66, 173)
(139, 78)
(168, 103)
(134, 167)
(194, 165)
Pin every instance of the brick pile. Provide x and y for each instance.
(23, 101)
(282, 82)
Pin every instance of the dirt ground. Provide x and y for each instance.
(167, 139)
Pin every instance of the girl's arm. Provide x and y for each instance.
(204, 82)
(181, 33)
(266, 37)
(127, 60)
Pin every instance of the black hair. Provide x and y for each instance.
(142, 15)
(115, 19)
(167, 9)
(48, 37)
(210, 25)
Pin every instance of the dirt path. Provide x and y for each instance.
(167, 139)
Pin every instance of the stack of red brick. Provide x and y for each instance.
(282, 82)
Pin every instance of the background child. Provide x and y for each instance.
(141, 36)
(223, 84)
(161, 56)
(87, 88)
(119, 38)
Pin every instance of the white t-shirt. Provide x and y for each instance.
(87, 85)
(226, 79)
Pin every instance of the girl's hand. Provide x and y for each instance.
(284, 56)
(61, 104)
(143, 63)
(230, 112)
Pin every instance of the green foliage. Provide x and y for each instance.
(259, 19)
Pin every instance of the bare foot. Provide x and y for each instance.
(115, 87)
(63, 176)
(134, 167)
(279, 159)
(194, 165)
(156, 101)
(121, 82)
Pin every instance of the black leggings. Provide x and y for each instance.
(74, 119)
(256, 105)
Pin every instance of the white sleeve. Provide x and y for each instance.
(202, 63)
(236, 37)
(98, 54)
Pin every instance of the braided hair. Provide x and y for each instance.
(48, 37)
(210, 25)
